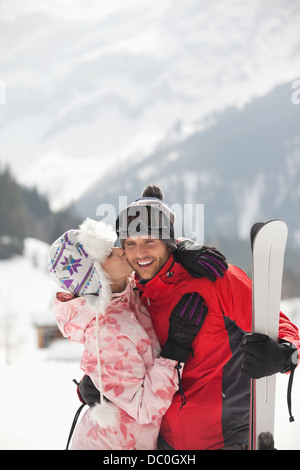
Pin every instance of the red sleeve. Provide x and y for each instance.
(288, 331)
(235, 297)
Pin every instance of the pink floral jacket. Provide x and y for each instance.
(134, 378)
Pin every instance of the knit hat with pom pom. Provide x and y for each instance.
(148, 216)
(75, 261)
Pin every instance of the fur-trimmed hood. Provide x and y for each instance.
(98, 239)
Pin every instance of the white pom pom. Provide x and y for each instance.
(105, 414)
(98, 238)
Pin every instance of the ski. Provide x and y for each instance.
(268, 242)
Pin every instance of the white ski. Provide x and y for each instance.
(268, 248)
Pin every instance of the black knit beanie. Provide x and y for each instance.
(148, 215)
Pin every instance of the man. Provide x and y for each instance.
(211, 410)
(215, 379)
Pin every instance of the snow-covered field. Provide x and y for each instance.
(38, 403)
(37, 395)
(38, 398)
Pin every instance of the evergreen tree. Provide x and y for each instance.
(12, 216)
(25, 213)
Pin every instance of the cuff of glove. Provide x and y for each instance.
(177, 351)
(291, 355)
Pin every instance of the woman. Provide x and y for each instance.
(121, 350)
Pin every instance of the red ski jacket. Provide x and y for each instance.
(216, 413)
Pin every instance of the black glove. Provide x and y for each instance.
(200, 261)
(264, 356)
(87, 391)
(186, 321)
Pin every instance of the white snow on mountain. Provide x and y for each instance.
(93, 84)
(250, 202)
(37, 395)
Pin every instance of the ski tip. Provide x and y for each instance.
(257, 227)
(254, 229)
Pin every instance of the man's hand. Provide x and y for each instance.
(200, 261)
(264, 357)
(186, 320)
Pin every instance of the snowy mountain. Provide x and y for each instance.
(244, 167)
(91, 86)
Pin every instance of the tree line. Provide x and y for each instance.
(26, 213)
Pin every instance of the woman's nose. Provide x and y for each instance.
(120, 251)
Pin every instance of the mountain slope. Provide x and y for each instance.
(90, 86)
(243, 168)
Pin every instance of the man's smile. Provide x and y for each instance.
(145, 262)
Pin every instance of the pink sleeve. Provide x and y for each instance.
(72, 318)
(144, 393)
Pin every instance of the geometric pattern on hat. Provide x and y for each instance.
(71, 266)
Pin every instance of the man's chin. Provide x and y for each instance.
(146, 274)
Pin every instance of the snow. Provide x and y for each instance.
(250, 205)
(37, 395)
(287, 435)
(39, 404)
